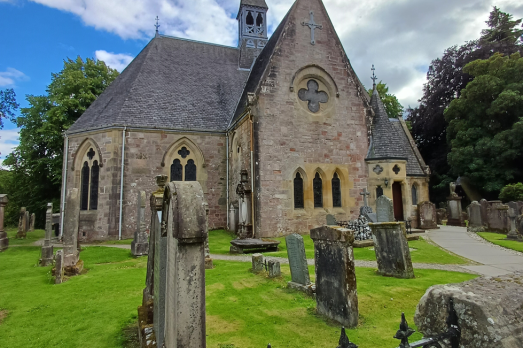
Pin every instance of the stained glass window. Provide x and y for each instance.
(176, 170)
(84, 193)
(336, 191)
(317, 188)
(414, 195)
(95, 171)
(379, 191)
(190, 171)
(298, 192)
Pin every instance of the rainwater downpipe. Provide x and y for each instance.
(64, 184)
(121, 185)
(252, 178)
(227, 178)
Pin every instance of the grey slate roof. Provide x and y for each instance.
(258, 3)
(413, 165)
(172, 84)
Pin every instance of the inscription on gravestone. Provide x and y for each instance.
(297, 259)
(384, 209)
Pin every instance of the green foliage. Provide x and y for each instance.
(391, 103)
(500, 239)
(485, 124)
(36, 163)
(512, 192)
(8, 105)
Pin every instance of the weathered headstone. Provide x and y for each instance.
(72, 264)
(384, 209)
(32, 222)
(331, 219)
(56, 226)
(27, 221)
(336, 292)
(4, 240)
(484, 206)
(497, 217)
(297, 263)
(274, 268)
(455, 218)
(392, 250)
(427, 215)
(475, 220)
(232, 219)
(257, 263)
(59, 267)
(140, 243)
(22, 233)
(488, 311)
(513, 233)
(441, 214)
(208, 259)
(185, 222)
(47, 248)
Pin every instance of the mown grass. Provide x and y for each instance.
(243, 309)
(31, 237)
(498, 239)
(423, 252)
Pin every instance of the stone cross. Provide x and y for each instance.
(365, 194)
(140, 243)
(312, 25)
(47, 248)
(4, 241)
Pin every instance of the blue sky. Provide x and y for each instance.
(400, 37)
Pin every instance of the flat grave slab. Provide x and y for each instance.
(250, 245)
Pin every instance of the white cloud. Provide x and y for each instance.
(400, 37)
(9, 139)
(118, 61)
(10, 76)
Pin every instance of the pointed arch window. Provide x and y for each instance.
(298, 192)
(414, 195)
(250, 19)
(89, 178)
(336, 190)
(317, 188)
(176, 170)
(190, 171)
(185, 162)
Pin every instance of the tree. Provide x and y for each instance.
(391, 103)
(8, 105)
(485, 124)
(512, 192)
(36, 162)
(445, 81)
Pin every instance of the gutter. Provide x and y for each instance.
(253, 214)
(121, 185)
(64, 183)
(227, 178)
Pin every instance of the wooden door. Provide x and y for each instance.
(397, 200)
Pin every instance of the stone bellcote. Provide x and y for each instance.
(252, 30)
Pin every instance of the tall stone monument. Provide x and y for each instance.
(72, 264)
(185, 221)
(47, 248)
(384, 209)
(454, 216)
(140, 243)
(336, 292)
(22, 232)
(298, 263)
(392, 250)
(4, 240)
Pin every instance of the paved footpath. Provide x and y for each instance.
(494, 260)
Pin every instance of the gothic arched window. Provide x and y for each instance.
(298, 192)
(317, 188)
(84, 193)
(95, 175)
(414, 195)
(336, 191)
(176, 170)
(190, 171)
(379, 191)
(249, 20)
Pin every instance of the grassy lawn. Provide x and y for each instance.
(115, 242)
(498, 239)
(31, 237)
(243, 309)
(423, 252)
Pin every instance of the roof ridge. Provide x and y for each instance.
(196, 41)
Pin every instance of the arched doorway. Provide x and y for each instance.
(397, 200)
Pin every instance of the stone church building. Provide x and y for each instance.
(279, 132)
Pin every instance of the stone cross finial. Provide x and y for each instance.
(313, 26)
(374, 77)
(157, 25)
(365, 194)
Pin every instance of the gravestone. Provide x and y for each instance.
(454, 216)
(4, 240)
(140, 243)
(331, 219)
(300, 278)
(22, 233)
(497, 217)
(72, 264)
(336, 292)
(27, 221)
(427, 215)
(184, 218)
(232, 219)
(47, 248)
(441, 214)
(384, 209)
(274, 268)
(257, 263)
(488, 311)
(392, 250)
(484, 206)
(59, 267)
(475, 220)
(513, 233)
(32, 222)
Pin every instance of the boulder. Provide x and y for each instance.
(488, 309)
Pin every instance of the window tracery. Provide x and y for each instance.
(89, 178)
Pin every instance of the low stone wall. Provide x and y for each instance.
(488, 309)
